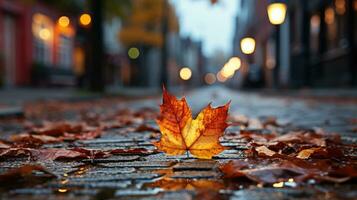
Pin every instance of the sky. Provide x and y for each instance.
(213, 24)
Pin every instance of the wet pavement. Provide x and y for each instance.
(150, 174)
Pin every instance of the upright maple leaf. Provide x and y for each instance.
(180, 133)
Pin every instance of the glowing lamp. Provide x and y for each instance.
(235, 63)
(63, 21)
(247, 45)
(85, 19)
(276, 13)
(44, 34)
(185, 73)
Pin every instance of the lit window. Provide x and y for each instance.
(42, 30)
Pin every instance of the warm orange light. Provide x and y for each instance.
(355, 5)
(62, 190)
(227, 71)
(63, 21)
(277, 13)
(329, 16)
(340, 6)
(247, 45)
(210, 78)
(44, 34)
(220, 77)
(85, 19)
(235, 63)
(185, 73)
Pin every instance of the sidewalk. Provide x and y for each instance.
(138, 171)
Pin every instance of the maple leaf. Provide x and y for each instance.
(180, 133)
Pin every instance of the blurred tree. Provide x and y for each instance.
(147, 26)
(143, 25)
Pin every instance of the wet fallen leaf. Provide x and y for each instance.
(24, 175)
(4, 145)
(187, 184)
(306, 153)
(130, 151)
(274, 170)
(181, 133)
(265, 151)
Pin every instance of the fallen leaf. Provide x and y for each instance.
(181, 133)
(306, 153)
(274, 170)
(137, 151)
(265, 151)
(57, 129)
(4, 145)
(24, 175)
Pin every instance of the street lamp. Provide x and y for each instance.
(247, 45)
(185, 73)
(276, 15)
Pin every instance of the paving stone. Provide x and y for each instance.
(32, 191)
(141, 164)
(271, 193)
(110, 171)
(195, 174)
(198, 165)
(239, 155)
(109, 141)
(136, 192)
(96, 184)
(107, 178)
(11, 112)
(112, 159)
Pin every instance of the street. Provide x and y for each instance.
(136, 169)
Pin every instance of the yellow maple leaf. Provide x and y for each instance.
(180, 133)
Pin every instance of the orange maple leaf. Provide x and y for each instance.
(180, 133)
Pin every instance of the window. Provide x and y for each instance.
(42, 29)
(65, 51)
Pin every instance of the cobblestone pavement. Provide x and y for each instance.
(152, 175)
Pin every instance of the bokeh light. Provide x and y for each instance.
(220, 77)
(44, 34)
(227, 71)
(235, 63)
(185, 73)
(85, 19)
(210, 78)
(277, 13)
(329, 16)
(63, 21)
(247, 45)
(340, 6)
(133, 53)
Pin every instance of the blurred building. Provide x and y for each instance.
(317, 43)
(36, 44)
(252, 21)
(191, 56)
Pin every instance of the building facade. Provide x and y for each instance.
(317, 43)
(33, 40)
